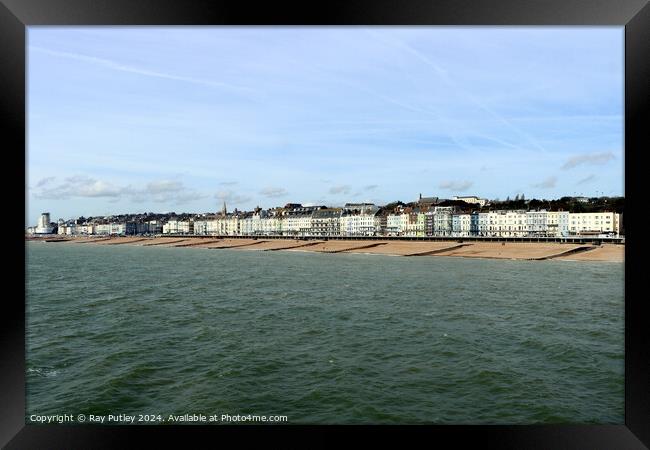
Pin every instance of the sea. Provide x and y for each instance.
(321, 338)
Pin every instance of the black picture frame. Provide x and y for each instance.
(634, 15)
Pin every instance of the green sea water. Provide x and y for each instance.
(322, 338)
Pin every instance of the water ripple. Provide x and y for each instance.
(323, 338)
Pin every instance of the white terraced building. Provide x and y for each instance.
(483, 223)
(209, 227)
(358, 225)
(201, 227)
(461, 225)
(252, 224)
(102, 228)
(512, 224)
(394, 224)
(594, 223)
(178, 227)
(326, 222)
(536, 223)
(503, 224)
(221, 226)
(271, 226)
(415, 224)
(443, 220)
(557, 223)
(296, 225)
(439, 221)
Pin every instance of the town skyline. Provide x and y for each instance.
(465, 202)
(428, 216)
(128, 118)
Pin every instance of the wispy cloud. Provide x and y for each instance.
(446, 78)
(548, 183)
(588, 159)
(341, 189)
(371, 187)
(459, 186)
(228, 183)
(587, 179)
(274, 192)
(114, 65)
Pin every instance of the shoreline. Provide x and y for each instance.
(605, 252)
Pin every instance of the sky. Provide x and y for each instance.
(138, 119)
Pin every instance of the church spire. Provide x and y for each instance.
(224, 210)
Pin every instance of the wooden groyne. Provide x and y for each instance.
(88, 241)
(163, 243)
(128, 242)
(237, 246)
(293, 246)
(439, 250)
(348, 249)
(194, 244)
(581, 249)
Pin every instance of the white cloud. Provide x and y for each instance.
(83, 186)
(587, 179)
(165, 191)
(548, 183)
(341, 189)
(459, 186)
(76, 186)
(45, 181)
(229, 196)
(273, 192)
(588, 158)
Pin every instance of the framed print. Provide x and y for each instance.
(354, 217)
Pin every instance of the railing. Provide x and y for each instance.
(550, 239)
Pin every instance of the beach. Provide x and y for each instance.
(452, 248)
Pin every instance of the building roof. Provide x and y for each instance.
(427, 200)
(328, 213)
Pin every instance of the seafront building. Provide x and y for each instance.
(427, 217)
(443, 220)
(557, 223)
(326, 222)
(594, 223)
(394, 224)
(297, 224)
(44, 226)
(472, 199)
(461, 225)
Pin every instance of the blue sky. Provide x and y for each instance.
(182, 118)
